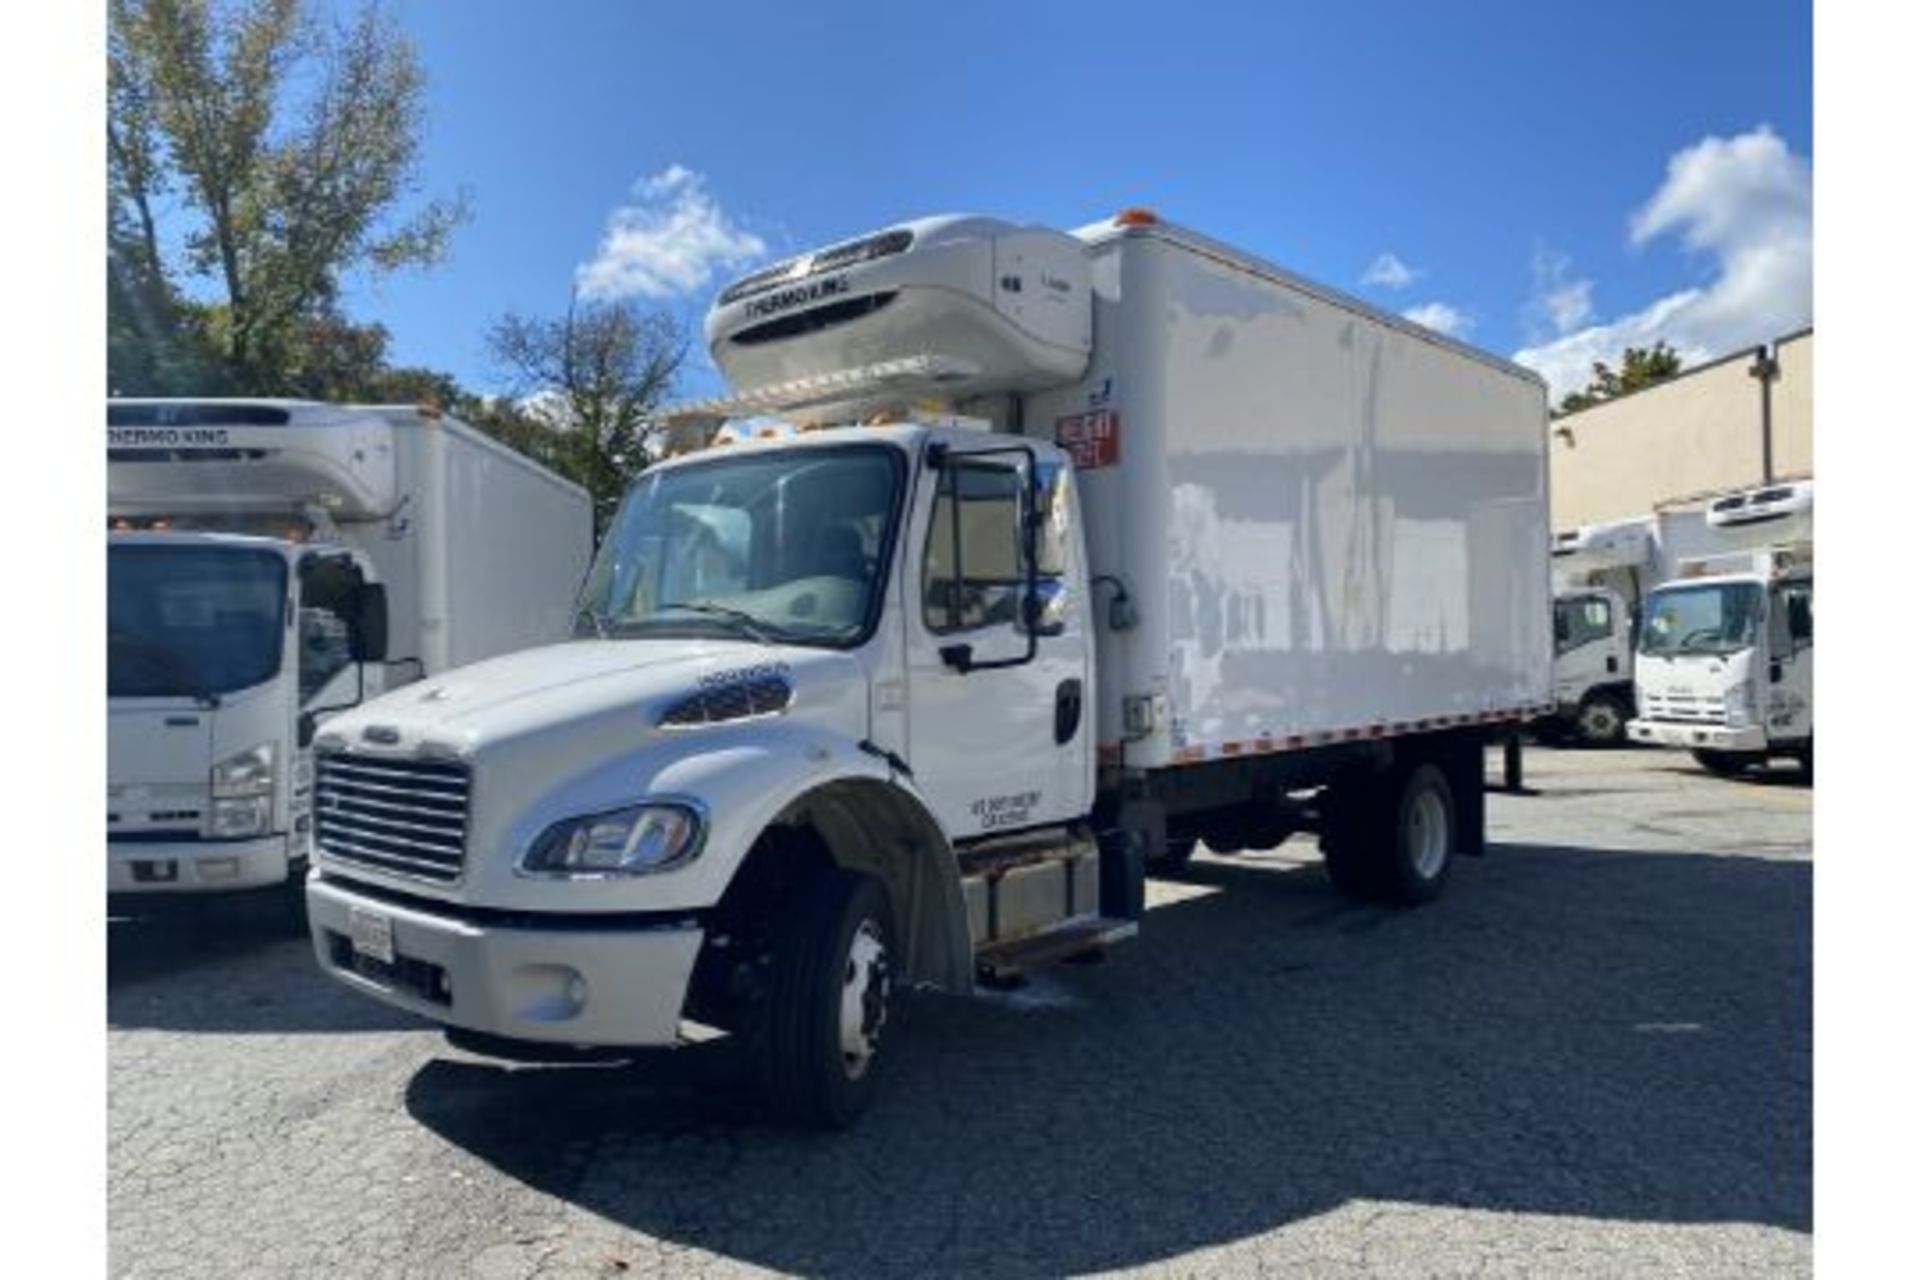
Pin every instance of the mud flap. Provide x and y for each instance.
(1465, 764)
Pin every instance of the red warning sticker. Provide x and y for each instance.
(1092, 439)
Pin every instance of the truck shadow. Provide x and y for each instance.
(1607, 1034)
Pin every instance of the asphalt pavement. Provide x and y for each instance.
(1593, 1057)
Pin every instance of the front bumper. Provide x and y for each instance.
(1696, 737)
(619, 986)
(197, 866)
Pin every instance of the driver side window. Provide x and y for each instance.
(327, 590)
(974, 567)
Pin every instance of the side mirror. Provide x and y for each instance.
(1559, 628)
(1052, 518)
(1045, 610)
(306, 728)
(369, 636)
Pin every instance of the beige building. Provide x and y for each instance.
(1719, 426)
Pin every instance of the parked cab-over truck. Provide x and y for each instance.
(1079, 549)
(1600, 574)
(1725, 661)
(272, 562)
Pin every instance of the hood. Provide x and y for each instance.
(628, 685)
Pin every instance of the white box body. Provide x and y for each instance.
(1332, 523)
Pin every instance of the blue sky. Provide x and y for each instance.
(1554, 179)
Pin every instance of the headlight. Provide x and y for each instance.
(242, 794)
(238, 816)
(248, 774)
(1739, 704)
(637, 840)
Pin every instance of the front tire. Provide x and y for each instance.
(827, 1000)
(1601, 721)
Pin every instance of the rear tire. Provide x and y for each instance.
(1402, 851)
(1426, 838)
(827, 999)
(1601, 721)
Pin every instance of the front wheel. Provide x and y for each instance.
(827, 998)
(1601, 721)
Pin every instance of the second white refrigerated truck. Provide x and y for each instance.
(1724, 666)
(1071, 549)
(272, 562)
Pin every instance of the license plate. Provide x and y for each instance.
(372, 934)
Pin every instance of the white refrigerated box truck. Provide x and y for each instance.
(272, 562)
(1724, 666)
(1069, 550)
(1603, 574)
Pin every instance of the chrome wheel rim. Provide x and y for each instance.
(1427, 834)
(863, 999)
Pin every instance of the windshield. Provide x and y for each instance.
(782, 546)
(1721, 618)
(193, 621)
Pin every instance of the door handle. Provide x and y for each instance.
(1066, 711)
(1613, 664)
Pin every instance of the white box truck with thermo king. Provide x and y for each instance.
(1034, 558)
(273, 562)
(1724, 666)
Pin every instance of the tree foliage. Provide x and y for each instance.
(256, 154)
(588, 378)
(1639, 367)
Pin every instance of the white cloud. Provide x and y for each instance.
(1389, 272)
(1565, 304)
(668, 242)
(1746, 202)
(1441, 318)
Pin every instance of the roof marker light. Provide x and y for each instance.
(1135, 216)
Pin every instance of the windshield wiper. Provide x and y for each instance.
(165, 660)
(748, 625)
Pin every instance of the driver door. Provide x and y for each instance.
(1789, 697)
(998, 710)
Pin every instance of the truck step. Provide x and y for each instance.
(1001, 960)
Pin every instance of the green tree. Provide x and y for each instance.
(592, 375)
(1639, 367)
(256, 154)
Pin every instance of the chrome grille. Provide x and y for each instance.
(1687, 708)
(404, 816)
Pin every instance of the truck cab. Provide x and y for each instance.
(1726, 660)
(223, 651)
(1600, 574)
(260, 552)
(1593, 663)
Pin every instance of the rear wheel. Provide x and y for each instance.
(1426, 837)
(1601, 721)
(1399, 851)
(827, 998)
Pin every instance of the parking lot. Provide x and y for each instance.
(1592, 1057)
